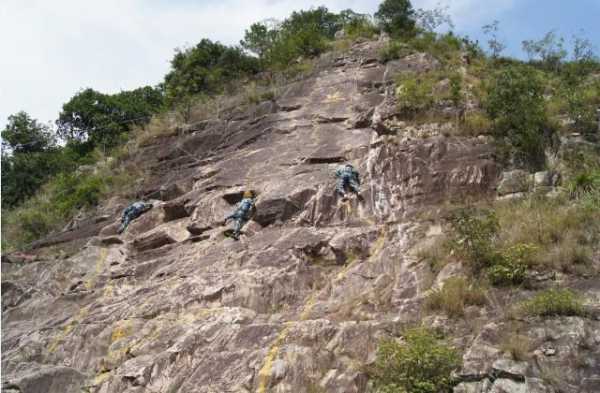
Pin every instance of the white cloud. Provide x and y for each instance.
(51, 49)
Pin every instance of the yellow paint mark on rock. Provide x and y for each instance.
(101, 378)
(264, 374)
(335, 97)
(123, 329)
(68, 329)
(89, 284)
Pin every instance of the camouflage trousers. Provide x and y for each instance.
(346, 182)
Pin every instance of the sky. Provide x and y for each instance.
(49, 50)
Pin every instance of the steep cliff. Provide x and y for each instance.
(300, 303)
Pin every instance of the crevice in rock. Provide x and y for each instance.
(324, 160)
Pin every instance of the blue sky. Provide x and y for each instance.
(52, 49)
(531, 19)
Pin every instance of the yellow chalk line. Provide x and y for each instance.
(89, 284)
(264, 375)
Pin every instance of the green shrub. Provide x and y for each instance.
(475, 232)
(58, 201)
(454, 296)
(422, 364)
(584, 182)
(394, 50)
(444, 47)
(515, 103)
(360, 27)
(511, 265)
(554, 302)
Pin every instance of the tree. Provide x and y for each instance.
(259, 38)
(430, 20)
(23, 134)
(397, 17)
(29, 157)
(92, 119)
(549, 50)
(496, 46)
(205, 69)
(583, 49)
(515, 103)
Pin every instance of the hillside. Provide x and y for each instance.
(303, 300)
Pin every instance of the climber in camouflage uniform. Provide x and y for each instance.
(242, 213)
(132, 212)
(347, 178)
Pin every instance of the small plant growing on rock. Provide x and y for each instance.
(475, 231)
(511, 265)
(455, 294)
(422, 364)
(554, 302)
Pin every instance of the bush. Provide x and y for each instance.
(475, 232)
(394, 50)
(584, 183)
(444, 47)
(58, 201)
(515, 103)
(511, 265)
(455, 294)
(554, 302)
(422, 364)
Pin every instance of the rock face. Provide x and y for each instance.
(300, 302)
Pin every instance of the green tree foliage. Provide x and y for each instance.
(422, 364)
(259, 38)
(397, 17)
(357, 25)
(29, 157)
(496, 46)
(515, 103)
(549, 50)
(91, 119)
(303, 34)
(23, 134)
(206, 68)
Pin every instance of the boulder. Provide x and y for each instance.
(546, 179)
(153, 240)
(38, 378)
(270, 210)
(513, 182)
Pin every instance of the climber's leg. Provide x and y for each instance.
(237, 227)
(341, 185)
(354, 186)
(124, 223)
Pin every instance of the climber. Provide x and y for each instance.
(347, 178)
(132, 212)
(242, 213)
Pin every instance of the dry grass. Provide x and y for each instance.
(516, 345)
(475, 123)
(435, 253)
(454, 296)
(563, 232)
